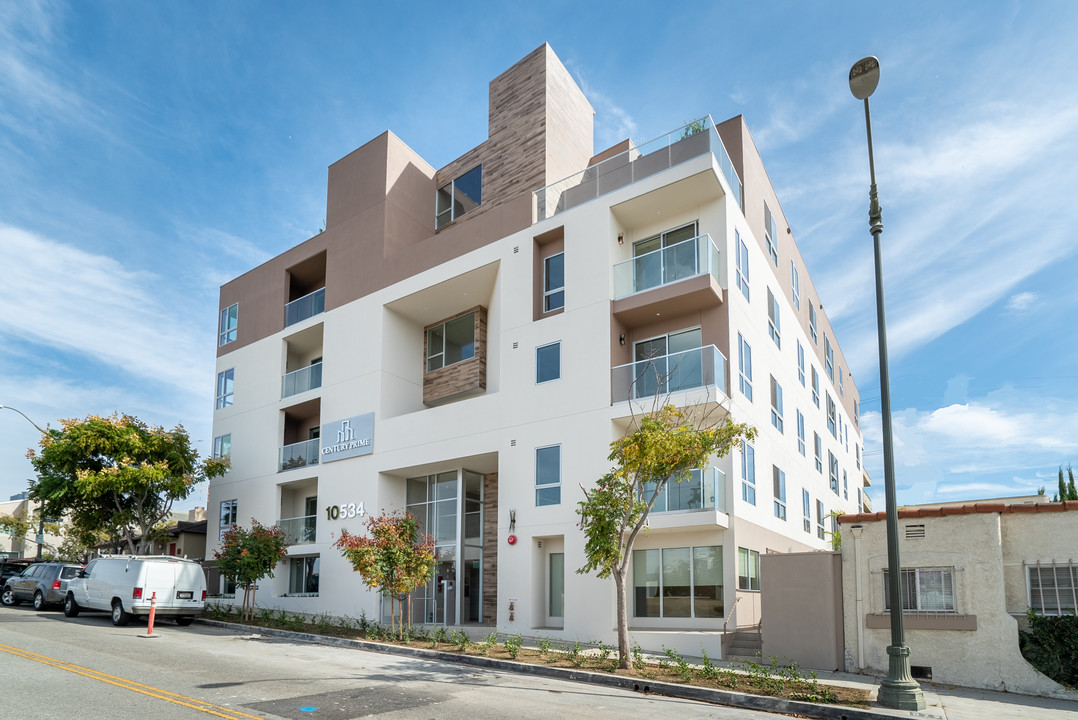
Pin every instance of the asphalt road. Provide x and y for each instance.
(86, 668)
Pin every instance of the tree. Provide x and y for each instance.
(396, 558)
(21, 523)
(116, 474)
(247, 556)
(1067, 490)
(663, 446)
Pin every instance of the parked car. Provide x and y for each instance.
(125, 584)
(10, 567)
(43, 584)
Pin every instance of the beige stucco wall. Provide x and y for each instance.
(802, 608)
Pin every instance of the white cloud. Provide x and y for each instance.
(1021, 303)
(613, 123)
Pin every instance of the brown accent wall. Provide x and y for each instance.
(490, 549)
(462, 379)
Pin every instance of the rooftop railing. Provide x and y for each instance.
(691, 140)
(679, 261)
(666, 374)
(307, 306)
(299, 455)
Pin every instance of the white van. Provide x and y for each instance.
(124, 585)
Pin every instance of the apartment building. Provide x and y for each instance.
(464, 343)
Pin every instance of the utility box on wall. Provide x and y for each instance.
(801, 616)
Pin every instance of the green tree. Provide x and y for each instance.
(662, 447)
(116, 474)
(396, 558)
(1067, 490)
(247, 556)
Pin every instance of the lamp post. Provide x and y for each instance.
(899, 690)
(41, 519)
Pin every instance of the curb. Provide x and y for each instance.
(639, 685)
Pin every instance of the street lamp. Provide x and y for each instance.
(899, 690)
(41, 520)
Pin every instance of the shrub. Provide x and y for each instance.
(1051, 646)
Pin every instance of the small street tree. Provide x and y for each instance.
(116, 474)
(396, 558)
(662, 446)
(247, 556)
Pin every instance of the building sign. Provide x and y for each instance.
(348, 438)
(345, 511)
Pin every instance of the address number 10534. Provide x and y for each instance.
(351, 510)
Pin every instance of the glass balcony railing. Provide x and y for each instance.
(299, 455)
(679, 261)
(666, 374)
(301, 380)
(305, 307)
(298, 530)
(691, 140)
(702, 490)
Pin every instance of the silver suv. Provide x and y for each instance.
(42, 584)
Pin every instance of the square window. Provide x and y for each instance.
(548, 475)
(451, 342)
(548, 362)
(458, 197)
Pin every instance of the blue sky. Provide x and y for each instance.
(150, 152)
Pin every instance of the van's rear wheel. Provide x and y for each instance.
(184, 621)
(71, 608)
(119, 615)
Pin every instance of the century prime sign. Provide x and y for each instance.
(348, 438)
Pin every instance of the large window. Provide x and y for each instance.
(748, 473)
(554, 282)
(748, 569)
(926, 590)
(1053, 589)
(744, 367)
(776, 404)
(741, 253)
(458, 197)
(548, 475)
(303, 575)
(226, 330)
(769, 235)
(774, 327)
(665, 258)
(548, 362)
(678, 582)
(451, 342)
(227, 517)
(225, 382)
(779, 482)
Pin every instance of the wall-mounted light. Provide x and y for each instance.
(621, 238)
(621, 339)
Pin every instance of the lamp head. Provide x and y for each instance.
(864, 77)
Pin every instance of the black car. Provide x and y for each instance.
(10, 567)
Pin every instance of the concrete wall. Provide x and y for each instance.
(802, 608)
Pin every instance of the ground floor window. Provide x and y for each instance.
(1053, 589)
(557, 585)
(303, 575)
(929, 590)
(678, 582)
(748, 569)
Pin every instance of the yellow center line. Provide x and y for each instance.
(131, 685)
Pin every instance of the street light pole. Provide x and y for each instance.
(41, 520)
(899, 690)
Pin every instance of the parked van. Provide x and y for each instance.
(124, 585)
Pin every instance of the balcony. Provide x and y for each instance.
(689, 141)
(703, 367)
(298, 455)
(307, 306)
(680, 261)
(699, 501)
(301, 380)
(299, 530)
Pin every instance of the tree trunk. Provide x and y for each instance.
(625, 658)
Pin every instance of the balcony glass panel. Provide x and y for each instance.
(689, 141)
(299, 455)
(305, 307)
(298, 530)
(663, 266)
(665, 374)
(703, 490)
(301, 380)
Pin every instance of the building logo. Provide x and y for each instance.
(355, 437)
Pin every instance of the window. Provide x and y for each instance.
(769, 235)
(828, 358)
(748, 569)
(227, 518)
(744, 366)
(225, 381)
(226, 330)
(451, 342)
(776, 404)
(801, 363)
(748, 474)
(815, 388)
(556, 602)
(841, 384)
(927, 590)
(858, 449)
(303, 576)
(795, 286)
(806, 511)
(831, 414)
(856, 414)
(773, 325)
(779, 482)
(832, 472)
(741, 253)
(665, 258)
(548, 362)
(222, 446)
(820, 515)
(548, 475)
(678, 582)
(845, 486)
(1053, 590)
(554, 282)
(800, 433)
(458, 197)
(818, 446)
(860, 501)
(812, 323)
(668, 363)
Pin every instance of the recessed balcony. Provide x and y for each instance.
(299, 530)
(703, 367)
(298, 455)
(302, 380)
(305, 307)
(667, 265)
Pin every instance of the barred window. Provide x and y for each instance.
(1053, 589)
(924, 590)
